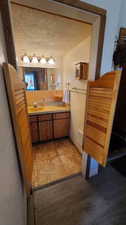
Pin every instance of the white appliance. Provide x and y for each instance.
(78, 105)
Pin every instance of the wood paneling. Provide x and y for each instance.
(18, 107)
(101, 104)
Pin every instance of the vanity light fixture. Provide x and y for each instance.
(34, 59)
(26, 59)
(43, 60)
(51, 61)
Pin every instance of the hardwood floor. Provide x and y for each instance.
(98, 201)
(55, 160)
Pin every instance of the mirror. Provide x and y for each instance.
(42, 79)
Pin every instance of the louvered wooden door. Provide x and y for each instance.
(100, 109)
(18, 106)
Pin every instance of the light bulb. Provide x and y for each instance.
(26, 59)
(34, 59)
(51, 61)
(43, 60)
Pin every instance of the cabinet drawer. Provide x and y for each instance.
(61, 115)
(33, 118)
(45, 117)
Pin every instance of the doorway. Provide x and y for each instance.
(52, 90)
(98, 27)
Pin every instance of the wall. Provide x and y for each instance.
(81, 53)
(113, 13)
(42, 96)
(122, 21)
(12, 198)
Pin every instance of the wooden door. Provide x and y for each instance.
(34, 129)
(61, 128)
(17, 102)
(61, 125)
(45, 127)
(100, 110)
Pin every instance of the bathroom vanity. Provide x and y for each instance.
(49, 123)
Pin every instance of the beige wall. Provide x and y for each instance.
(81, 53)
(42, 96)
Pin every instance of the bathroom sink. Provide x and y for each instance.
(57, 104)
(47, 109)
(35, 109)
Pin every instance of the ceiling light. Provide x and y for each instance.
(51, 61)
(26, 59)
(43, 60)
(34, 59)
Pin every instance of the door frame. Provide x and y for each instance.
(9, 39)
(76, 4)
(8, 33)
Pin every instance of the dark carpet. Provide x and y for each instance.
(100, 201)
(120, 165)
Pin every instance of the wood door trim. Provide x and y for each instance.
(7, 27)
(100, 45)
(83, 5)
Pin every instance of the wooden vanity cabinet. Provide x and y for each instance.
(45, 127)
(49, 126)
(61, 122)
(34, 128)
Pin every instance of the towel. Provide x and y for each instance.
(66, 96)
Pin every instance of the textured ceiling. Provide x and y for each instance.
(46, 34)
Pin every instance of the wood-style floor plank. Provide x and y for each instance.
(100, 201)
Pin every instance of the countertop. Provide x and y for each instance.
(47, 109)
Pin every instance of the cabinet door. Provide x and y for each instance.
(100, 110)
(45, 130)
(61, 127)
(34, 129)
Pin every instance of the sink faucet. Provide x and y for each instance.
(35, 105)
